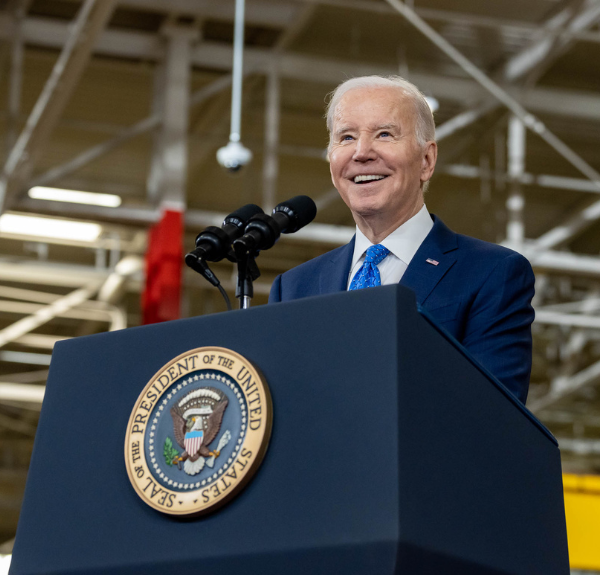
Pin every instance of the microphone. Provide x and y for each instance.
(214, 243)
(262, 231)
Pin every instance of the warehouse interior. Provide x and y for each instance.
(131, 99)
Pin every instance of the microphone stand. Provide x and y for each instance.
(248, 272)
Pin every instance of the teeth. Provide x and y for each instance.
(358, 179)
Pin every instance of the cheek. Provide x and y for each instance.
(335, 168)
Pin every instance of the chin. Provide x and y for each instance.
(368, 207)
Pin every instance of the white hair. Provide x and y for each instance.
(424, 124)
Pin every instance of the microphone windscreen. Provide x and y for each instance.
(301, 210)
(241, 216)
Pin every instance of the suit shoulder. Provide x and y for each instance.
(493, 252)
(311, 266)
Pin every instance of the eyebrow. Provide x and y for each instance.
(343, 129)
(347, 128)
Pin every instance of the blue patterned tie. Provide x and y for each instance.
(368, 274)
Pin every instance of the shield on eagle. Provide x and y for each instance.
(193, 441)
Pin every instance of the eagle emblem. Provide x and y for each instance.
(197, 419)
(193, 441)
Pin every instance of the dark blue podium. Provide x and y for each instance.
(391, 452)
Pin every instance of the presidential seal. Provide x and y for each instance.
(198, 432)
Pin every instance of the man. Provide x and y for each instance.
(382, 153)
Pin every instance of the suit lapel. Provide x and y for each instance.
(334, 278)
(440, 246)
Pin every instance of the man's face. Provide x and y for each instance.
(376, 163)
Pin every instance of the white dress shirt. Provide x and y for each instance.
(403, 244)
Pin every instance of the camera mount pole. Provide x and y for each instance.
(234, 155)
(238, 65)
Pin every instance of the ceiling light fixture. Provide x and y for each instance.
(74, 196)
(17, 224)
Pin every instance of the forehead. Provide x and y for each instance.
(379, 105)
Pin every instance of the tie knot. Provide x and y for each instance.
(376, 254)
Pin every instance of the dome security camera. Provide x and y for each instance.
(234, 156)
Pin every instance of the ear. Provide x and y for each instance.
(429, 159)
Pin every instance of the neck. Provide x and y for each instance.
(379, 226)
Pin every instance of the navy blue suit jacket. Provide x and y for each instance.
(479, 292)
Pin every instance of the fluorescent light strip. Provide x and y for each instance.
(49, 228)
(74, 196)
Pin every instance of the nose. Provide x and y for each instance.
(364, 150)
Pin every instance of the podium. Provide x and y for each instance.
(391, 452)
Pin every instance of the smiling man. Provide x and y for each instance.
(382, 153)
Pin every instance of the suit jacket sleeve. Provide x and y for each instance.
(498, 327)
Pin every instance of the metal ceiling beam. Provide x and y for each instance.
(560, 32)
(22, 427)
(567, 417)
(515, 225)
(258, 12)
(109, 292)
(282, 13)
(273, 106)
(530, 121)
(565, 387)
(533, 58)
(22, 392)
(587, 305)
(329, 71)
(527, 179)
(579, 446)
(87, 26)
(462, 120)
(44, 315)
(37, 273)
(142, 127)
(569, 228)
(557, 261)
(194, 219)
(270, 152)
(169, 169)
(547, 317)
(55, 174)
(16, 73)
(562, 262)
(39, 341)
(27, 376)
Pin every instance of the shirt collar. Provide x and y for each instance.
(403, 242)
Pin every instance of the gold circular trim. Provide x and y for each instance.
(249, 457)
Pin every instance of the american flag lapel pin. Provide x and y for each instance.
(432, 262)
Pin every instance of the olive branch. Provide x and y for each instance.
(169, 451)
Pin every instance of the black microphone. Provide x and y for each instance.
(262, 231)
(214, 243)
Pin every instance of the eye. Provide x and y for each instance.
(384, 134)
(347, 138)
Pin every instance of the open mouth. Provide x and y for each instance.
(367, 178)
